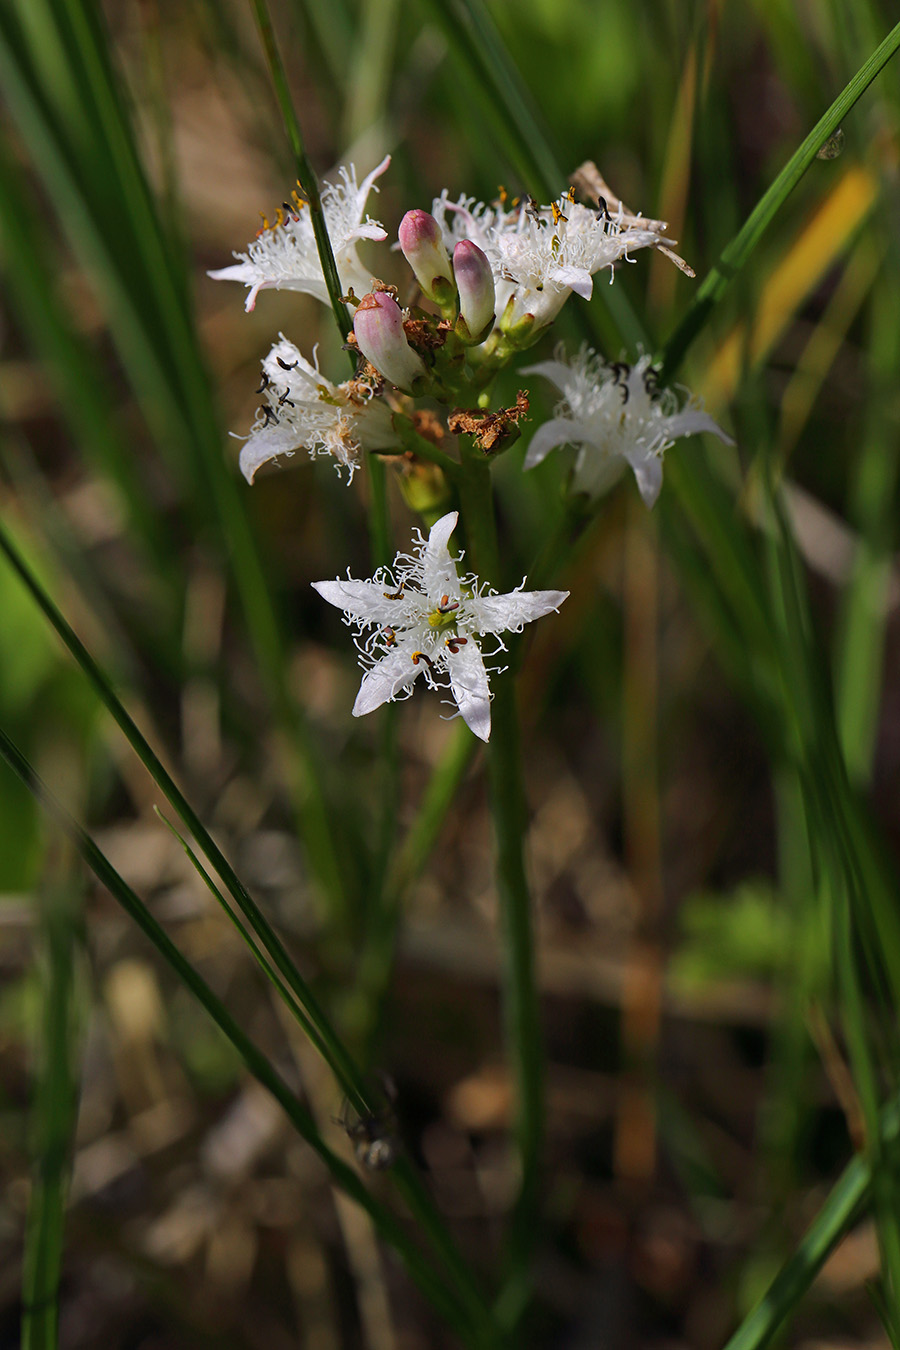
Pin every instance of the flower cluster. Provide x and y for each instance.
(496, 276)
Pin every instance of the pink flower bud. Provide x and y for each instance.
(378, 325)
(476, 291)
(423, 248)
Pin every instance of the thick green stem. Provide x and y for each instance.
(520, 993)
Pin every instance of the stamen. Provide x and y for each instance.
(269, 413)
(284, 399)
(454, 643)
(445, 606)
(397, 594)
(389, 636)
(423, 656)
(265, 383)
(557, 213)
(287, 365)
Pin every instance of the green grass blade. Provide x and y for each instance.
(55, 1111)
(844, 1203)
(113, 225)
(337, 1056)
(305, 176)
(85, 398)
(736, 253)
(342, 1175)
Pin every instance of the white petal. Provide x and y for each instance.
(648, 471)
(367, 232)
(364, 601)
(557, 372)
(558, 431)
(384, 681)
(439, 573)
(264, 445)
(469, 685)
(499, 613)
(367, 183)
(693, 420)
(576, 279)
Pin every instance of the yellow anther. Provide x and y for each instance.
(557, 213)
(397, 594)
(279, 217)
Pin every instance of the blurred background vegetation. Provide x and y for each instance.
(700, 1103)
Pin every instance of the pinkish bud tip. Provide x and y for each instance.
(378, 325)
(475, 283)
(423, 248)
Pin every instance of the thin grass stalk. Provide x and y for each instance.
(343, 1176)
(309, 185)
(736, 253)
(55, 1110)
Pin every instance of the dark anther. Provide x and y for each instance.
(265, 383)
(285, 400)
(270, 415)
(423, 656)
(454, 643)
(287, 365)
(445, 606)
(604, 209)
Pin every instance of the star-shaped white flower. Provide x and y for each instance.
(420, 617)
(615, 415)
(304, 410)
(284, 255)
(540, 255)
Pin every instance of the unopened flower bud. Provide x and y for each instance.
(378, 325)
(423, 248)
(476, 291)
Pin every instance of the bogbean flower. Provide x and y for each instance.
(284, 255)
(304, 410)
(540, 255)
(616, 416)
(420, 617)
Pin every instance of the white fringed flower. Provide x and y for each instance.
(615, 415)
(420, 617)
(304, 410)
(540, 255)
(284, 255)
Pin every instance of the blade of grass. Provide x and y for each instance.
(309, 185)
(111, 220)
(55, 1109)
(347, 1073)
(338, 1059)
(85, 398)
(736, 253)
(863, 613)
(808, 258)
(257, 1063)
